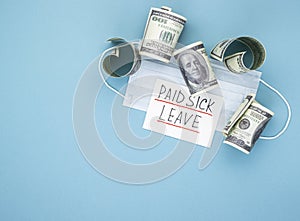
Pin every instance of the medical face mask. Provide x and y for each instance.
(234, 87)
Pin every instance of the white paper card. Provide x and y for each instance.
(174, 112)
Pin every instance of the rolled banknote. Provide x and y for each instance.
(235, 62)
(238, 113)
(195, 67)
(161, 34)
(248, 128)
(122, 60)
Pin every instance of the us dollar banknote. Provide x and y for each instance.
(195, 68)
(161, 34)
(248, 128)
(238, 113)
(235, 62)
(123, 59)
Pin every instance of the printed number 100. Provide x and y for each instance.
(166, 36)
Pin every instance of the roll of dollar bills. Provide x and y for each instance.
(235, 62)
(238, 113)
(195, 67)
(121, 60)
(249, 126)
(161, 34)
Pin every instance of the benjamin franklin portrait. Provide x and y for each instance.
(194, 70)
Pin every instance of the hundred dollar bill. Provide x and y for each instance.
(248, 128)
(123, 59)
(218, 51)
(161, 34)
(196, 68)
(238, 113)
(235, 62)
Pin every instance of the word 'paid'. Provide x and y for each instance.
(201, 102)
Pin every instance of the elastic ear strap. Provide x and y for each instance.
(104, 80)
(288, 109)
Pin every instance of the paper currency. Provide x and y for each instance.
(238, 113)
(248, 128)
(122, 60)
(195, 67)
(161, 34)
(235, 62)
(218, 51)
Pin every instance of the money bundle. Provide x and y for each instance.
(195, 67)
(238, 113)
(235, 62)
(250, 120)
(161, 34)
(121, 60)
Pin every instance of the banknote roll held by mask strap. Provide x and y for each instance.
(235, 60)
(161, 34)
(246, 125)
(121, 60)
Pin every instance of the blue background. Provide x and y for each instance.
(44, 48)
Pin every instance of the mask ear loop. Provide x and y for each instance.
(104, 80)
(288, 109)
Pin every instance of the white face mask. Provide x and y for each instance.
(234, 87)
